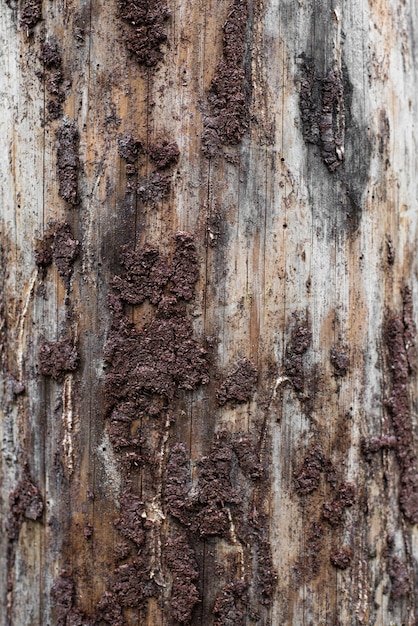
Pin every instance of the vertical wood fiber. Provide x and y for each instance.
(225, 433)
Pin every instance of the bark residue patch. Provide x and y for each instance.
(162, 357)
(58, 246)
(333, 511)
(30, 13)
(398, 572)
(63, 595)
(217, 503)
(58, 358)
(309, 476)
(229, 94)
(25, 504)
(164, 154)
(342, 558)
(68, 162)
(131, 523)
(321, 103)
(182, 562)
(159, 359)
(205, 511)
(390, 250)
(371, 445)
(53, 77)
(314, 545)
(147, 274)
(239, 386)
(154, 188)
(184, 267)
(146, 31)
(129, 148)
(248, 457)
(132, 583)
(299, 343)
(231, 604)
(399, 335)
(340, 361)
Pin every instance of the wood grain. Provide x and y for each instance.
(299, 269)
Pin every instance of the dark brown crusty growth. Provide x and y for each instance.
(146, 31)
(68, 162)
(205, 512)
(129, 148)
(229, 95)
(163, 356)
(399, 335)
(340, 361)
(154, 188)
(147, 274)
(231, 604)
(58, 246)
(310, 473)
(333, 511)
(397, 570)
(53, 76)
(300, 340)
(239, 385)
(58, 358)
(164, 154)
(321, 103)
(182, 563)
(342, 558)
(30, 13)
(371, 445)
(248, 457)
(219, 504)
(25, 503)
(63, 594)
(184, 266)
(159, 359)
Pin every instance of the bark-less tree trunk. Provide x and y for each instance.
(208, 303)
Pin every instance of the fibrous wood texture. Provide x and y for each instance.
(208, 312)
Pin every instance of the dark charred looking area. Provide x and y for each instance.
(30, 13)
(68, 162)
(228, 116)
(399, 335)
(322, 108)
(144, 31)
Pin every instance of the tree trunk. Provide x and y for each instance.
(208, 303)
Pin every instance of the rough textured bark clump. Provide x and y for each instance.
(31, 13)
(68, 162)
(26, 503)
(229, 95)
(399, 335)
(239, 385)
(146, 31)
(58, 246)
(58, 358)
(182, 562)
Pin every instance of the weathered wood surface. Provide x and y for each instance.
(297, 186)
